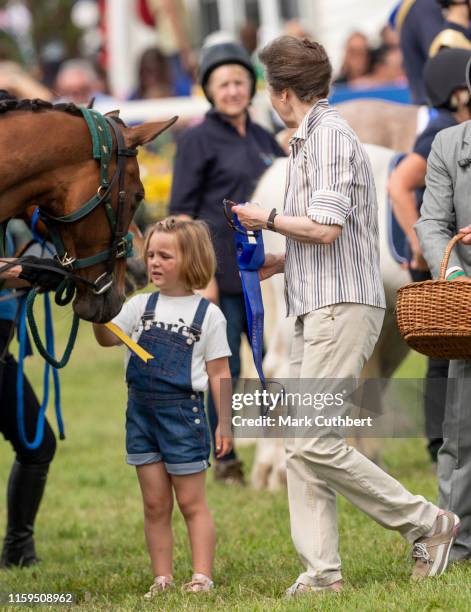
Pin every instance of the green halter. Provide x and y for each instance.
(121, 244)
(102, 147)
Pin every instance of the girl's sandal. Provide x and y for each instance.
(199, 583)
(160, 584)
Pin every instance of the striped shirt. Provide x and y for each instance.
(329, 179)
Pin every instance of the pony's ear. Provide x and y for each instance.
(112, 114)
(141, 134)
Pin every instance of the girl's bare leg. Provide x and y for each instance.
(157, 495)
(191, 498)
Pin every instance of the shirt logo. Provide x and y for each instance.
(178, 328)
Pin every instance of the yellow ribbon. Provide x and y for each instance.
(129, 342)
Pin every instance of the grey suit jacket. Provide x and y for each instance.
(446, 206)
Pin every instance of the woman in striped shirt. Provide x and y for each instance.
(333, 287)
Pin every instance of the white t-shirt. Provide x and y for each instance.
(177, 314)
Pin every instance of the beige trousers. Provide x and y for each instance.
(335, 342)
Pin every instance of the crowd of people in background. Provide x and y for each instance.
(169, 68)
(366, 66)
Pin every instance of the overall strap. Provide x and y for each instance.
(200, 313)
(150, 306)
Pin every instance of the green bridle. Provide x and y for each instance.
(100, 128)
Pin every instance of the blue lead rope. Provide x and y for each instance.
(25, 349)
(250, 258)
(23, 346)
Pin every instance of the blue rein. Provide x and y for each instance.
(25, 350)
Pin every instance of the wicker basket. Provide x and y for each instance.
(434, 317)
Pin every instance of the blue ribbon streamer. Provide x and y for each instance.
(250, 258)
(255, 317)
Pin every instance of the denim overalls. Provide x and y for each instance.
(165, 418)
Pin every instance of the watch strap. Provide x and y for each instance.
(271, 220)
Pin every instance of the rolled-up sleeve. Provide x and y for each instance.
(329, 169)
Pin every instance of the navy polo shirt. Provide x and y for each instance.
(213, 161)
(423, 145)
(420, 27)
(441, 120)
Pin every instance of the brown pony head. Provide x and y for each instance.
(47, 159)
(100, 295)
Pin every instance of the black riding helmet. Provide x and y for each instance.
(444, 73)
(224, 53)
(447, 3)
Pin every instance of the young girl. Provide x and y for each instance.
(167, 436)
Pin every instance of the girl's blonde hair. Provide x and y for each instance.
(197, 257)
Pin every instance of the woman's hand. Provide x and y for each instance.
(223, 444)
(252, 216)
(274, 264)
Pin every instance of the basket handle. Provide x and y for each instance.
(446, 256)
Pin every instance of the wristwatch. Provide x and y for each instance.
(271, 220)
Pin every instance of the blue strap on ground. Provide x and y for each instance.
(38, 437)
(250, 258)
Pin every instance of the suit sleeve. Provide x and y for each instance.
(189, 170)
(437, 223)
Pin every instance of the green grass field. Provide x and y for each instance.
(89, 530)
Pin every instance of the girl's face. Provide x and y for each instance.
(230, 87)
(163, 264)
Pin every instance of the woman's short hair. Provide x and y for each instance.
(197, 257)
(299, 64)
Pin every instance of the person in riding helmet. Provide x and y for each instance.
(223, 157)
(425, 27)
(445, 84)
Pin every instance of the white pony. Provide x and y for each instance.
(269, 465)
